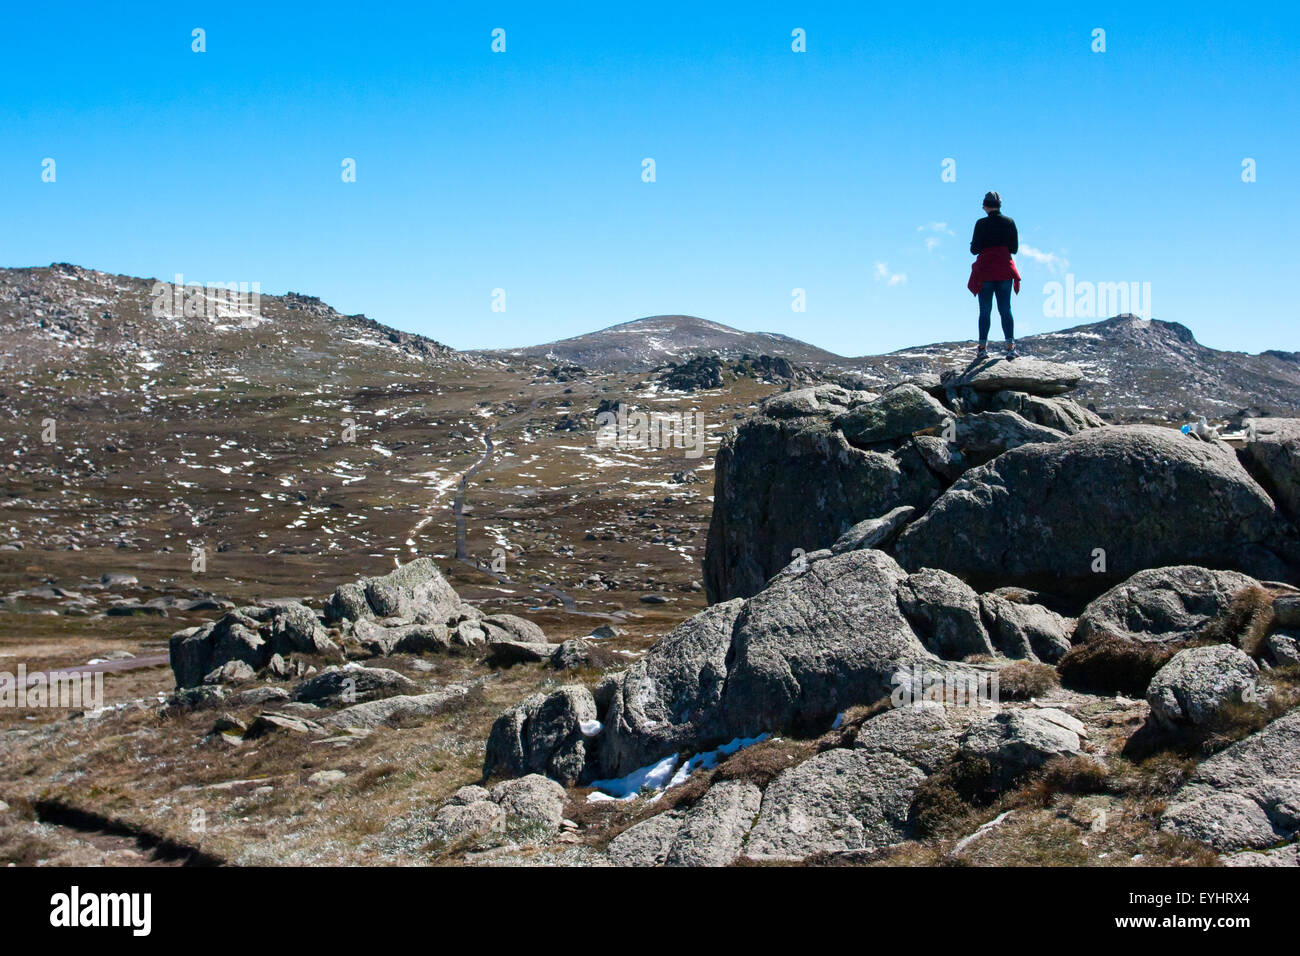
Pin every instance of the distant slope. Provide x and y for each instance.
(652, 341)
(1136, 369)
(62, 321)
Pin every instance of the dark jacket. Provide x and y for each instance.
(995, 229)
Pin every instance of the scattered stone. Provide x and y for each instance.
(268, 723)
(352, 684)
(231, 672)
(326, 778)
(375, 713)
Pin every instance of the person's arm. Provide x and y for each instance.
(976, 241)
(1014, 245)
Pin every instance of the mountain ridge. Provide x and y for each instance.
(63, 317)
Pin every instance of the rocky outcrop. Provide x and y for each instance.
(411, 610)
(1161, 605)
(1200, 683)
(1095, 508)
(1033, 376)
(815, 463)
(1272, 454)
(796, 483)
(251, 635)
(1247, 796)
(841, 630)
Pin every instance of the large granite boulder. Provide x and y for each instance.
(805, 649)
(416, 592)
(1200, 683)
(1161, 605)
(1272, 455)
(1096, 507)
(782, 485)
(672, 697)
(545, 734)
(1247, 796)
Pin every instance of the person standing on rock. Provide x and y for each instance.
(994, 273)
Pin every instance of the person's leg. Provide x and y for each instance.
(986, 310)
(1004, 310)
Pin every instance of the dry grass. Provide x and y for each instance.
(1107, 664)
(1074, 775)
(1245, 623)
(1025, 680)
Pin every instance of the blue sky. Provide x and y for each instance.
(775, 170)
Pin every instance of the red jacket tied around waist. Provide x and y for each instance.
(992, 265)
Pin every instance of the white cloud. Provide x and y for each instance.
(892, 278)
(1055, 263)
(931, 243)
(936, 227)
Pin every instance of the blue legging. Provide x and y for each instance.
(1003, 289)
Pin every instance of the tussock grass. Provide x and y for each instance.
(1024, 680)
(1245, 623)
(1108, 664)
